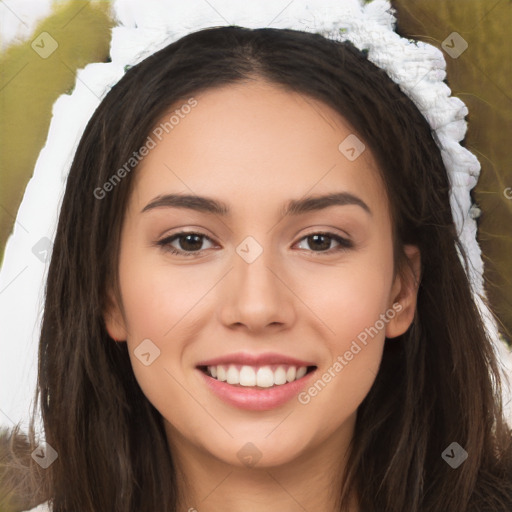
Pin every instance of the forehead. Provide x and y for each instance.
(255, 144)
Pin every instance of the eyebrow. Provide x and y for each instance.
(291, 208)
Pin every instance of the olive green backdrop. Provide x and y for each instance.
(481, 77)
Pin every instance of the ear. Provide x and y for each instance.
(114, 319)
(404, 293)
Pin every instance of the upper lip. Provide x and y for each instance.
(245, 358)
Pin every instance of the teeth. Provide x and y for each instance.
(247, 376)
(280, 376)
(301, 372)
(233, 376)
(263, 377)
(221, 373)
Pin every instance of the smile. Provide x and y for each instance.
(261, 388)
(257, 376)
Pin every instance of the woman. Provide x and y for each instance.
(255, 300)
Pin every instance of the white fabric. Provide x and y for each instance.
(41, 508)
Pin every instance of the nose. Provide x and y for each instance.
(256, 295)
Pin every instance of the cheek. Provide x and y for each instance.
(350, 299)
(156, 296)
(354, 355)
(159, 302)
(156, 302)
(352, 302)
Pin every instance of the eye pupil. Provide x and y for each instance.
(195, 245)
(326, 245)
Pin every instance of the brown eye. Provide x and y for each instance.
(321, 242)
(188, 243)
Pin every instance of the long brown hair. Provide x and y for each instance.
(437, 383)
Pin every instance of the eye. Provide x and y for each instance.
(189, 243)
(321, 242)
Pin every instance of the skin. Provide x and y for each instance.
(255, 146)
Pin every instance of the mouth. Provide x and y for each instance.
(256, 377)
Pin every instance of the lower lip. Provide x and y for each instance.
(256, 399)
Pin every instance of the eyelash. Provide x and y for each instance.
(344, 243)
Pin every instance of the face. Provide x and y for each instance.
(250, 284)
